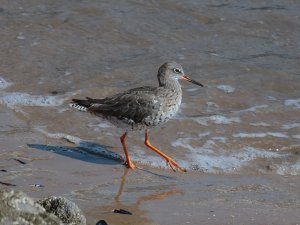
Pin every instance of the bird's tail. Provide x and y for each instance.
(84, 104)
(81, 105)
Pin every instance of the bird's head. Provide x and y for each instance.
(172, 71)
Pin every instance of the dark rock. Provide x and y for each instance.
(64, 209)
(101, 222)
(17, 208)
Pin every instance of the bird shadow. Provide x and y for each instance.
(84, 151)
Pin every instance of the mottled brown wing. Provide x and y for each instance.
(135, 104)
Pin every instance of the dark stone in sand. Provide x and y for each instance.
(122, 211)
(64, 209)
(101, 222)
(17, 208)
(20, 161)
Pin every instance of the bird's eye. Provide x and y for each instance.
(176, 70)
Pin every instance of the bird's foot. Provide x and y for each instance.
(129, 164)
(174, 166)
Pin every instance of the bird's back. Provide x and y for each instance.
(136, 108)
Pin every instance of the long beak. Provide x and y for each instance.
(185, 77)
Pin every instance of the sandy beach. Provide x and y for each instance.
(154, 196)
(238, 137)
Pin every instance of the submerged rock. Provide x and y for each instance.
(17, 208)
(64, 209)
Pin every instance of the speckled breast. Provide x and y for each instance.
(167, 110)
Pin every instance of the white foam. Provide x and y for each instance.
(271, 98)
(218, 119)
(296, 136)
(260, 124)
(142, 156)
(104, 125)
(221, 139)
(201, 135)
(254, 108)
(192, 89)
(292, 103)
(207, 159)
(260, 135)
(228, 163)
(211, 107)
(98, 127)
(70, 138)
(291, 126)
(185, 143)
(212, 104)
(21, 36)
(24, 99)
(226, 88)
(4, 84)
(288, 169)
(209, 144)
(151, 160)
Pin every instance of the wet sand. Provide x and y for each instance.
(238, 136)
(154, 196)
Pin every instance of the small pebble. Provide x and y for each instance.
(21, 37)
(20, 161)
(37, 185)
(122, 211)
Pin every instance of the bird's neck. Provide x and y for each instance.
(172, 84)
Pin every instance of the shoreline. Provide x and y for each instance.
(154, 196)
(158, 196)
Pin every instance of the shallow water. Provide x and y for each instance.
(246, 53)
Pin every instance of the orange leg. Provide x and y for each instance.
(170, 161)
(128, 163)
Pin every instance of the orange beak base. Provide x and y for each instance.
(185, 77)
